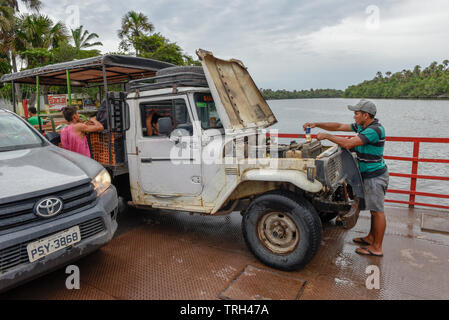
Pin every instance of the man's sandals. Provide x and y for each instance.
(367, 252)
(361, 241)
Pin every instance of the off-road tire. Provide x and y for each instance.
(177, 75)
(177, 69)
(299, 211)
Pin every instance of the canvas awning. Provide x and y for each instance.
(118, 69)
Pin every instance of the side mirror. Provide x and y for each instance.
(186, 127)
(165, 125)
(53, 137)
(177, 134)
(118, 112)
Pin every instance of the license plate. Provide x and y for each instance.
(43, 247)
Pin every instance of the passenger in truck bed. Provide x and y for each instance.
(102, 115)
(73, 137)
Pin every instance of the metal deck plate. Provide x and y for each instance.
(259, 284)
(438, 223)
(176, 256)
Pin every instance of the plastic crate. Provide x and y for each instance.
(99, 148)
(47, 127)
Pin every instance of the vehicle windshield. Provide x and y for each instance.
(15, 134)
(206, 111)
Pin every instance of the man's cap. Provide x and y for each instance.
(365, 106)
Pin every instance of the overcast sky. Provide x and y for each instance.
(286, 44)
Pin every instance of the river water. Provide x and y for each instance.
(401, 118)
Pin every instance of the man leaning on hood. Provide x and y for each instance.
(369, 146)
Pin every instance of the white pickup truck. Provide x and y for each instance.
(194, 139)
(211, 156)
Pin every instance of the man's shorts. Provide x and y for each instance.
(375, 189)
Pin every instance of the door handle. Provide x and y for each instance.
(146, 160)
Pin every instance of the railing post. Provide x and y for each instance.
(69, 87)
(414, 171)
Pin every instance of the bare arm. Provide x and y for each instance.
(329, 126)
(342, 142)
(149, 125)
(92, 126)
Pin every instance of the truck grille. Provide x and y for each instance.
(334, 169)
(18, 254)
(20, 213)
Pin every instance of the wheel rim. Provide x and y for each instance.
(278, 232)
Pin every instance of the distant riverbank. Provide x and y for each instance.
(430, 83)
(399, 98)
(270, 94)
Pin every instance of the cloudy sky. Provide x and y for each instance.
(286, 44)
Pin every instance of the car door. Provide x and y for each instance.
(167, 167)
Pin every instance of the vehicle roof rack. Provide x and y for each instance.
(189, 79)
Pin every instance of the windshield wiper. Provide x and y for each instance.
(25, 146)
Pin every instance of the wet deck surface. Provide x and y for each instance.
(160, 255)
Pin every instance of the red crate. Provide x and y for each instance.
(99, 147)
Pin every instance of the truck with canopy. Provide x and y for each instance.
(194, 139)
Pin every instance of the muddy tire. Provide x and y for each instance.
(282, 230)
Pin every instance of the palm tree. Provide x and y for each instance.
(134, 25)
(8, 37)
(80, 39)
(34, 5)
(417, 70)
(36, 32)
(6, 17)
(445, 63)
(8, 23)
(433, 67)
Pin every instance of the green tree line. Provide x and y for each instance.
(430, 82)
(270, 94)
(419, 83)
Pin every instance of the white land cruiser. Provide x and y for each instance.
(196, 142)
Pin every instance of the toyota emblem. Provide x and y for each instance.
(48, 207)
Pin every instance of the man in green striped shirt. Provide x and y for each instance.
(368, 144)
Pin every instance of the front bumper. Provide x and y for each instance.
(104, 214)
(349, 220)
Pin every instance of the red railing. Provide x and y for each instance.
(413, 176)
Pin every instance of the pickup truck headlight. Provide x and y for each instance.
(101, 182)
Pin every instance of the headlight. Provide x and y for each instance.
(101, 182)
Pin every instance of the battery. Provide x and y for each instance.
(311, 149)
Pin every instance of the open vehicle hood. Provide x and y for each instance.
(239, 102)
